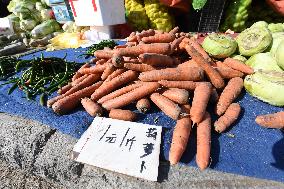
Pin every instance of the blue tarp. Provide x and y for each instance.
(246, 149)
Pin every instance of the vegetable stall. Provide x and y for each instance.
(214, 94)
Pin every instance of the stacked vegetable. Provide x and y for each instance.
(165, 69)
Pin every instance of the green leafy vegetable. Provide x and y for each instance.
(100, 46)
(198, 4)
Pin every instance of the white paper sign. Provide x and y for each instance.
(125, 147)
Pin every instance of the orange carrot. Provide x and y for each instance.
(188, 64)
(103, 54)
(78, 74)
(229, 94)
(159, 38)
(130, 60)
(64, 89)
(93, 60)
(85, 83)
(187, 85)
(180, 136)
(120, 114)
(234, 72)
(91, 107)
(174, 30)
(109, 70)
(114, 74)
(238, 65)
(173, 74)
(132, 37)
(143, 105)
(80, 79)
(146, 33)
(200, 100)
(120, 46)
(144, 90)
(113, 84)
(229, 117)
(139, 67)
(119, 92)
(101, 61)
(131, 44)
(214, 96)
(203, 142)
(158, 59)
(70, 102)
(212, 74)
(193, 42)
(93, 70)
(275, 121)
(180, 96)
(175, 43)
(170, 108)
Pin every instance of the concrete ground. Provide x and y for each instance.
(32, 155)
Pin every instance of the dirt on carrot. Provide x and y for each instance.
(139, 67)
(143, 105)
(94, 109)
(158, 60)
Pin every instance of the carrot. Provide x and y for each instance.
(174, 30)
(227, 72)
(109, 70)
(101, 61)
(117, 60)
(139, 67)
(120, 114)
(93, 60)
(120, 46)
(80, 79)
(230, 116)
(64, 89)
(93, 70)
(143, 105)
(175, 43)
(91, 107)
(70, 102)
(212, 74)
(103, 54)
(144, 90)
(238, 65)
(78, 74)
(158, 59)
(119, 92)
(130, 60)
(193, 42)
(200, 100)
(181, 135)
(187, 85)
(114, 74)
(180, 96)
(173, 74)
(170, 108)
(131, 44)
(146, 33)
(85, 83)
(159, 38)
(203, 142)
(132, 37)
(113, 84)
(214, 96)
(275, 121)
(188, 64)
(229, 94)
(159, 48)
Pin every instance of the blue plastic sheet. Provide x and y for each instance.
(246, 149)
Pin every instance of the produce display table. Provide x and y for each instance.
(245, 149)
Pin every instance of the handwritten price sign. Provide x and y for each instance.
(125, 147)
(98, 12)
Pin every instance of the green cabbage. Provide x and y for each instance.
(280, 54)
(239, 57)
(277, 38)
(45, 28)
(263, 61)
(260, 24)
(27, 25)
(276, 27)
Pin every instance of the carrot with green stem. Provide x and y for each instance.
(187, 85)
(68, 103)
(203, 142)
(274, 121)
(229, 94)
(113, 84)
(139, 67)
(119, 92)
(94, 69)
(180, 96)
(94, 109)
(214, 77)
(181, 135)
(154, 59)
(117, 72)
(120, 114)
(78, 74)
(170, 108)
(144, 90)
(238, 65)
(159, 38)
(200, 100)
(143, 105)
(229, 117)
(173, 74)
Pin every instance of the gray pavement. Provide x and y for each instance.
(32, 155)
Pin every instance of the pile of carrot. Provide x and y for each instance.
(149, 70)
